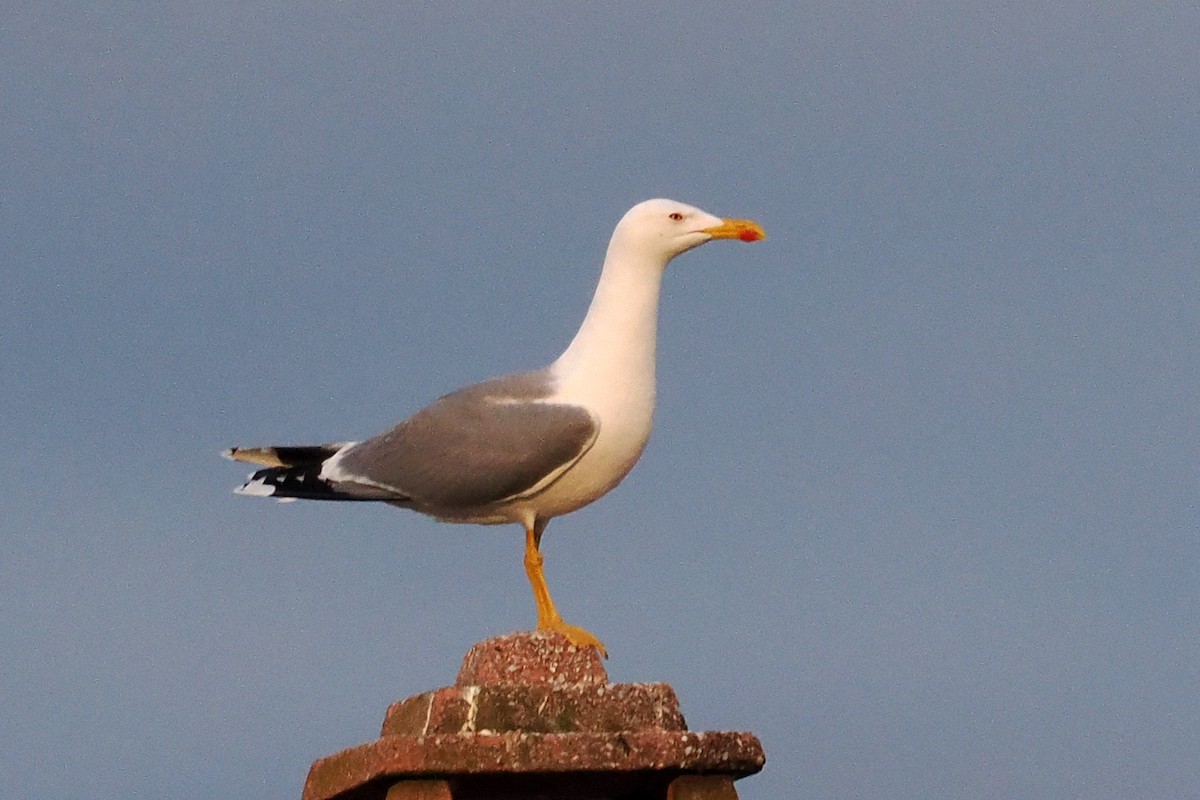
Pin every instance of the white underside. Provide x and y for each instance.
(624, 407)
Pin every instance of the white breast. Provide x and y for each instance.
(624, 405)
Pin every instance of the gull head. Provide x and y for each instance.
(662, 229)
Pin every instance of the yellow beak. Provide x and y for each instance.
(745, 229)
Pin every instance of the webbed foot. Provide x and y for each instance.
(575, 635)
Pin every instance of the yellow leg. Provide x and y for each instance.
(548, 616)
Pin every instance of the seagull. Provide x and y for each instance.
(531, 446)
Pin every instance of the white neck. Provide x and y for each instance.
(617, 337)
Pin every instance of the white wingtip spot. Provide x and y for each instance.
(255, 488)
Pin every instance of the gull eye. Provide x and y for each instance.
(675, 215)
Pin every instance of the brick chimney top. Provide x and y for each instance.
(533, 658)
(530, 715)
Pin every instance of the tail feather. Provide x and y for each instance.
(284, 456)
(294, 473)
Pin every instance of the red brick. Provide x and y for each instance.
(530, 711)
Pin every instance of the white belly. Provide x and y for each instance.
(601, 468)
(625, 411)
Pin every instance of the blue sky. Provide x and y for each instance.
(919, 509)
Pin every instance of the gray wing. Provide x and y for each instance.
(477, 447)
